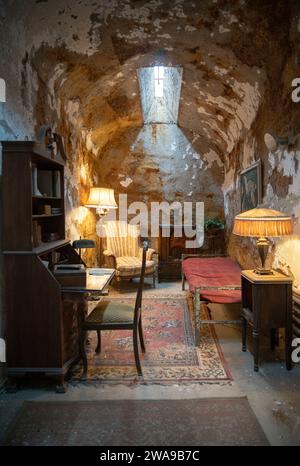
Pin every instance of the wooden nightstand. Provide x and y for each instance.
(267, 305)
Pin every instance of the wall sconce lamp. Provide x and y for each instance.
(102, 199)
(260, 223)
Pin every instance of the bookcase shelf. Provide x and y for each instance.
(28, 217)
(40, 332)
(47, 198)
(40, 216)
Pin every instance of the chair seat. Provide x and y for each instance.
(109, 312)
(130, 265)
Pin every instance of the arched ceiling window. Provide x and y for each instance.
(160, 88)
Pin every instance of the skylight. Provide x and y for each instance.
(160, 88)
(159, 81)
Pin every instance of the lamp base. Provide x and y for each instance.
(261, 271)
(101, 211)
(263, 248)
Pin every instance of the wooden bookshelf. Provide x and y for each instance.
(40, 324)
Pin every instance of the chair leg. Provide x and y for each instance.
(136, 352)
(83, 352)
(154, 280)
(98, 348)
(244, 334)
(141, 334)
(197, 314)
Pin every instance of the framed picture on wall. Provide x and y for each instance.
(251, 186)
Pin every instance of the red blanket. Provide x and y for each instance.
(214, 271)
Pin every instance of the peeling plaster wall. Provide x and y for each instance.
(281, 171)
(281, 192)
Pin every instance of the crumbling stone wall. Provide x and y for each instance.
(278, 115)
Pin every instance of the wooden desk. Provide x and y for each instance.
(75, 309)
(267, 305)
(97, 281)
(43, 318)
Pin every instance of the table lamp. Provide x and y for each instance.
(102, 199)
(261, 223)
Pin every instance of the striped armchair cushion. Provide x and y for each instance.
(122, 239)
(128, 266)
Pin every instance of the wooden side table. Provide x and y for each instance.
(267, 305)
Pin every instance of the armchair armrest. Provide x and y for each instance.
(110, 259)
(150, 254)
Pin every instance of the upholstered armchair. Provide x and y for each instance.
(123, 252)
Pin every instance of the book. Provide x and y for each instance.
(36, 234)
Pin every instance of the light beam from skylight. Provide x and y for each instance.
(158, 81)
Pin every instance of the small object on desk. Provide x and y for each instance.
(70, 274)
(94, 283)
(100, 271)
(70, 267)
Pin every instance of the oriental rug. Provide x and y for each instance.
(171, 356)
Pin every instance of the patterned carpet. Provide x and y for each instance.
(170, 357)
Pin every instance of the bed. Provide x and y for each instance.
(211, 280)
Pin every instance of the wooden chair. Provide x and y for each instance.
(109, 315)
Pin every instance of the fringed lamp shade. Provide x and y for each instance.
(262, 222)
(103, 198)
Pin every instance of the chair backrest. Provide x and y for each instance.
(121, 238)
(138, 301)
